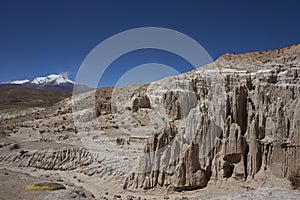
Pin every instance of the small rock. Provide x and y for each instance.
(117, 196)
(14, 146)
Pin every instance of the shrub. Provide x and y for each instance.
(22, 152)
(294, 179)
(46, 186)
(120, 141)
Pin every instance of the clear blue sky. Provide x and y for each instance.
(53, 36)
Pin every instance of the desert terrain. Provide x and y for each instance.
(227, 130)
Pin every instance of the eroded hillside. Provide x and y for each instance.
(233, 121)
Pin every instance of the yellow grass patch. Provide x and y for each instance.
(45, 186)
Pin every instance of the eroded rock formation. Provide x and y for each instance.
(245, 119)
(235, 118)
(140, 101)
(67, 159)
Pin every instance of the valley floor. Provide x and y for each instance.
(15, 180)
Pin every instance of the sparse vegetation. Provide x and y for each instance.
(22, 152)
(45, 186)
(120, 141)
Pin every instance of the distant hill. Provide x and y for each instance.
(25, 97)
(52, 82)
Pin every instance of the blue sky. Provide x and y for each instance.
(38, 38)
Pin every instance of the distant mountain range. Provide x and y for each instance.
(52, 82)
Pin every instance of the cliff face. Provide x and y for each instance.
(232, 118)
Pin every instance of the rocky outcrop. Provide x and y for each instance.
(140, 101)
(172, 105)
(103, 101)
(245, 119)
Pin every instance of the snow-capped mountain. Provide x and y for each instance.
(51, 79)
(18, 82)
(51, 82)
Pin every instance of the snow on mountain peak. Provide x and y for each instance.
(19, 82)
(53, 78)
(56, 79)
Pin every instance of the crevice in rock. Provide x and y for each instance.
(241, 108)
(288, 128)
(228, 168)
(245, 159)
(249, 83)
(232, 158)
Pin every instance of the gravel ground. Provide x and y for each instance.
(13, 187)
